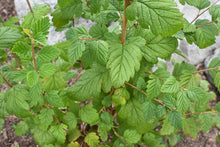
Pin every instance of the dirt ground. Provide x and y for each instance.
(9, 139)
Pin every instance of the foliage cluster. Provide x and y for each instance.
(117, 100)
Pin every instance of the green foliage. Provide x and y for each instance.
(97, 88)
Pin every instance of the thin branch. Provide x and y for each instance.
(157, 100)
(6, 81)
(124, 23)
(87, 4)
(17, 61)
(29, 5)
(200, 113)
(204, 11)
(90, 38)
(205, 70)
(205, 24)
(11, 66)
(54, 117)
(119, 136)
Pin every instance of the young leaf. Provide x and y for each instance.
(42, 25)
(59, 133)
(36, 95)
(120, 96)
(170, 86)
(47, 54)
(75, 51)
(196, 94)
(8, 36)
(88, 114)
(47, 70)
(22, 49)
(124, 60)
(162, 16)
(32, 78)
(131, 136)
(92, 139)
(97, 31)
(43, 137)
(149, 110)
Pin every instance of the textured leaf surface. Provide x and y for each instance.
(170, 86)
(152, 88)
(59, 133)
(92, 139)
(75, 51)
(158, 46)
(90, 83)
(47, 54)
(217, 80)
(47, 69)
(205, 35)
(215, 12)
(54, 99)
(131, 136)
(124, 60)
(46, 117)
(43, 137)
(21, 128)
(200, 4)
(175, 119)
(8, 36)
(182, 102)
(22, 49)
(42, 25)
(214, 63)
(70, 119)
(88, 114)
(149, 110)
(167, 128)
(32, 78)
(162, 16)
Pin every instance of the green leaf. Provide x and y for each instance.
(96, 52)
(152, 140)
(43, 137)
(42, 25)
(120, 96)
(36, 95)
(196, 94)
(90, 83)
(46, 117)
(188, 80)
(54, 99)
(97, 31)
(77, 32)
(8, 36)
(175, 119)
(188, 27)
(167, 128)
(152, 88)
(217, 107)
(75, 51)
(206, 121)
(182, 102)
(59, 133)
(32, 78)
(217, 80)
(169, 101)
(40, 38)
(160, 111)
(158, 46)
(131, 136)
(215, 12)
(162, 16)
(183, 66)
(88, 114)
(16, 101)
(135, 117)
(47, 70)
(190, 127)
(170, 85)
(3, 55)
(47, 54)
(22, 49)
(124, 60)
(21, 128)
(55, 82)
(70, 75)
(214, 63)
(149, 110)
(200, 4)
(106, 121)
(70, 119)
(92, 139)
(205, 35)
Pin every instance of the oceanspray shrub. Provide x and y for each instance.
(117, 100)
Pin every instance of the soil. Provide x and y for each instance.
(9, 139)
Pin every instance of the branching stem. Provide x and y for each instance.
(206, 70)
(10, 66)
(17, 61)
(6, 81)
(205, 24)
(204, 11)
(124, 23)
(29, 5)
